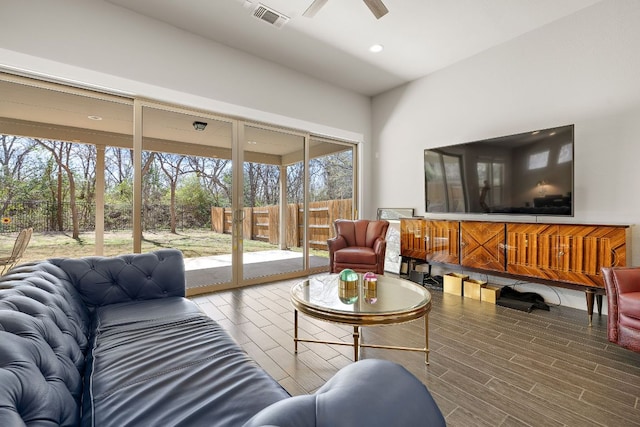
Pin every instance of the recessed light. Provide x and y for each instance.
(94, 117)
(376, 48)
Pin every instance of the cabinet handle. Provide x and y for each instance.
(561, 253)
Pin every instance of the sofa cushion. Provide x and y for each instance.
(355, 255)
(163, 362)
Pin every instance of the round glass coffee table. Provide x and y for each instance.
(393, 301)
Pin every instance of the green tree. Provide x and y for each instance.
(195, 199)
(15, 170)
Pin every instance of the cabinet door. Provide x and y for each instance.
(567, 253)
(532, 250)
(412, 238)
(442, 239)
(483, 245)
(584, 249)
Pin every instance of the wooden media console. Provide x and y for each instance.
(563, 255)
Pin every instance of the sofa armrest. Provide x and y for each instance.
(366, 393)
(110, 280)
(380, 247)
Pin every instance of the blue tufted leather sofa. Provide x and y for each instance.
(101, 341)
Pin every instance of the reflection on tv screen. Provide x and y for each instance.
(527, 173)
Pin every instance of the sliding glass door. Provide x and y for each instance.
(244, 202)
(332, 191)
(186, 192)
(273, 196)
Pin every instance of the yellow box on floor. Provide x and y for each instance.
(490, 293)
(453, 283)
(472, 288)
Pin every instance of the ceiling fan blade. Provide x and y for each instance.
(314, 8)
(377, 8)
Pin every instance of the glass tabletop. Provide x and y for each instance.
(391, 295)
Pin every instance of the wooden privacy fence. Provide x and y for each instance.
(262, 223)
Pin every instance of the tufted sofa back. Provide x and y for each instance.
(45, 326)
(111, 280)
(44, 331)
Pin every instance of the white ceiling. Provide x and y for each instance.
(419, 36)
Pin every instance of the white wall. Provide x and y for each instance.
(582, 69)
(94, 43)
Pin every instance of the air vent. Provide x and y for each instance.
(270, 16)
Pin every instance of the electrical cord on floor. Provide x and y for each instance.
(520, 282)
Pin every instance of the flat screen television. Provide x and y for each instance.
(529, 173)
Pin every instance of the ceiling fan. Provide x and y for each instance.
(375, 6)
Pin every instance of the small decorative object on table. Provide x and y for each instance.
(370, 285)
(348, 286)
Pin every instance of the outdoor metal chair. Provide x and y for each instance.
(18, 250)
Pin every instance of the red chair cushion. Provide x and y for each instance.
(355, 255)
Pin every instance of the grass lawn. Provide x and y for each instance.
(193, 243)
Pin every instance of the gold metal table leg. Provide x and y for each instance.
(295, 331)
(356, 344)
(426, 338)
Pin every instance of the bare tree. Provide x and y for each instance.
(14, 152)
(338, 170)
(331, 176)
(119, 165)
(295, 181)
(61, 152)
(87, 155)
(171, 165)
(214, 175)
(261, 184)
(270, 178)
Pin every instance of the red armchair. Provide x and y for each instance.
(623, 298)
(359, 245)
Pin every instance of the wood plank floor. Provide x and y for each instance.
(489, 365)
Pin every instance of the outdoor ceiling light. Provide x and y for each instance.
(199, 126)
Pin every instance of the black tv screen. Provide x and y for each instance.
(527, 173)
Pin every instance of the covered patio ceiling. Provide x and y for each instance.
(50, 111)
